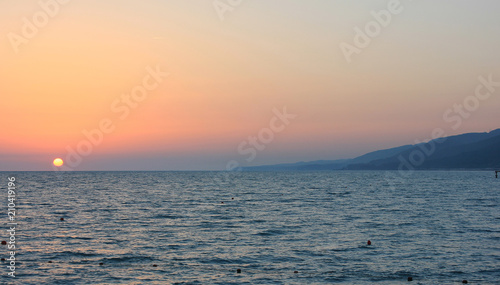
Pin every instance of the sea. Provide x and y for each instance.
(431, 227)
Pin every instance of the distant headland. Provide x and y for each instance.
(466, 151)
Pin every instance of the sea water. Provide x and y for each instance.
(276, 227)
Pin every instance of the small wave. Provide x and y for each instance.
(163, 216)
(73, 254)
(128, 259)
(271, 233)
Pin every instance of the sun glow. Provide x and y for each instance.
(58, 162)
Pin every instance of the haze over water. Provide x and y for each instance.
(437, 227)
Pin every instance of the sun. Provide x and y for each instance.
(58, 162)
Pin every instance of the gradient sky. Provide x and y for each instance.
(226, 76)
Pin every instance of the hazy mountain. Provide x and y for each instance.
(310, 165)
(380, 154)
(465, 151)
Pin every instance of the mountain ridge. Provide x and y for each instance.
(464, 151)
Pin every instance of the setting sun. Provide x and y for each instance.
(58, 162)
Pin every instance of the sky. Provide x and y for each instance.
(210, 84)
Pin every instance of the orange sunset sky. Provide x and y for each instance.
(65, 67)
